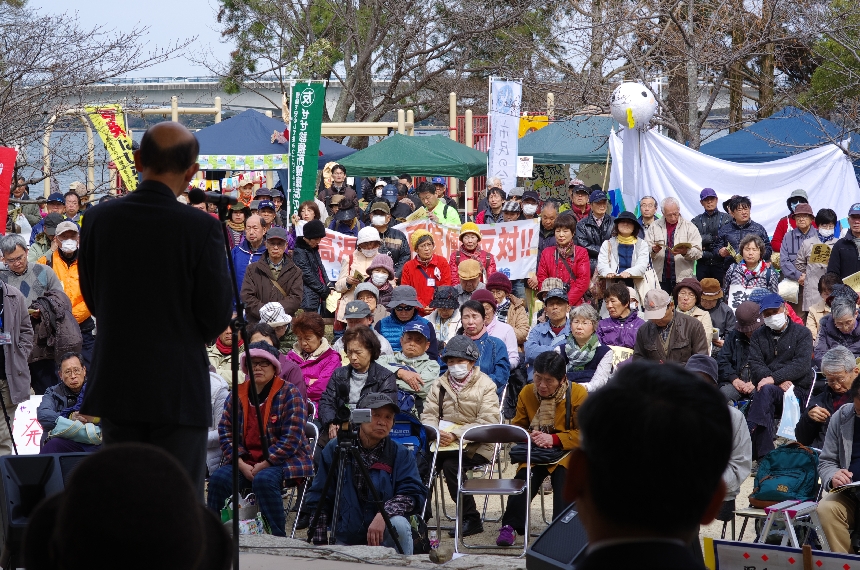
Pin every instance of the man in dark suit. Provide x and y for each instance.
(154, 274)
(655, 443)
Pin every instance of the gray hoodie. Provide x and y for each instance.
(740, 461)
(838, 444)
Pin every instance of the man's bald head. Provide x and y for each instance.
(168, 148)
(254, 230)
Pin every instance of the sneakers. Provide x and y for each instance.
(507, 536)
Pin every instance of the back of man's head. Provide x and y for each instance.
(656, 440)
(168, 148)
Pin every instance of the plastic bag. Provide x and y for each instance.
(790, 415)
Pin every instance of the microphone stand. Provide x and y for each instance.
(239, 326)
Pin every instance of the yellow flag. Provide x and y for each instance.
(109, 122)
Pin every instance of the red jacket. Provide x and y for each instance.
(486, 259)
(550, 265)
(437, 270)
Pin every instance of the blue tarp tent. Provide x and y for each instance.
(786, 132)
(581, 140)
(250, 133)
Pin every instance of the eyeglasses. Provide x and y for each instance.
(742, 207)
(73, 372)
(18, 259)
(403, 308)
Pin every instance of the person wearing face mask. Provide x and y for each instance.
(780, 357)
(470, 239)
(354, 267)
(840, 328)
(530, 205)
(463, 397)
(63, 259)
(380, 274)
(788, 223)
(394, 242)
(811, 273)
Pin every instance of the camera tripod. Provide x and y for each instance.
(346, 446)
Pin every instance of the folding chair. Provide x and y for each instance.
(312, 411)
(432, 435)
(495, 434)
(486, 471)
(313, 434)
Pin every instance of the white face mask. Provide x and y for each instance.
(377, 220)
(529, 209)
(458, 371)
(825, 234)
(775, 322)
(370, 253)
(379, 278)
(634, 305)
(69, 245)
(379, 192)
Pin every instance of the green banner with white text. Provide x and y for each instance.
(306, 111)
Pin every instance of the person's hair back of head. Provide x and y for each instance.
(619, 291)
(552, 364)
(838, 359)
(402, 189)
(366, 337)
(425, 187)
(10, 242)
(565, 221)
(656, 428)
(406, 177)
(174, 159)
(552, 203)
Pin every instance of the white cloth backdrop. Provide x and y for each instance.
(669, 168)
(506, 97)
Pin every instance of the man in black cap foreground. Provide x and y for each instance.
(393, 472)
(56, 205)
(157, 306)
(41, 246)
(661, 404)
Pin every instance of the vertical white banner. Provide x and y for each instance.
(505, 101)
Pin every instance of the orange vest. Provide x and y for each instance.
(68, 275)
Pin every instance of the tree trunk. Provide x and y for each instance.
(736, 86)
(693, 133)
(766, 84)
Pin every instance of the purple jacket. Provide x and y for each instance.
(619, 332)
(317, 370)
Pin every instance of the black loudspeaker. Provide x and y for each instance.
(561, 545)
(26, 480)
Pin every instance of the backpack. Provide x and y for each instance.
(409, 432)
(789, 472)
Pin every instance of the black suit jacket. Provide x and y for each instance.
(154, 274)
(641, 556)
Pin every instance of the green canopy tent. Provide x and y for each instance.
(581, 140)
(435, 155)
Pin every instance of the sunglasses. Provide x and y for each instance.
(403, 308)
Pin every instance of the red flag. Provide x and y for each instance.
(7, 170)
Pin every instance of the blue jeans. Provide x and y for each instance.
(404, 535)
(266, 486)
(518, 288)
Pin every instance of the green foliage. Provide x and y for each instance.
(837, 78)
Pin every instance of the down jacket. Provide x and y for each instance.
(476, 404)
(591, 237)
(57, 332)
(317, 369)
(786, 358)
(551, 265)
(56, 399)
(517, 318)
(620, 332)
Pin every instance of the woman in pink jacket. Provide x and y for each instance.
(312, 354)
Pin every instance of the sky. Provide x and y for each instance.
(167, 20)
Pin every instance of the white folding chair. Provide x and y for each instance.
(495, 434)
(313, 434)
(495, 463)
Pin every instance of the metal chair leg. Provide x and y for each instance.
(440, 493)
(305, 486)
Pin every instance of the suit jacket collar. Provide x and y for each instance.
(157, 188)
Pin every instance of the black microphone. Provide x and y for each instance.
(198, 196)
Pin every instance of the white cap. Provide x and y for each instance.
(366, 235)
(273, 314)
(66, 226)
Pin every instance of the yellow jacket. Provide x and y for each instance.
(527, 407)
(68, 275)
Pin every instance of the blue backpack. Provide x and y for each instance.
(409, 432)
(789, 472)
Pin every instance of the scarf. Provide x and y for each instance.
(752, 272)
(582, 212)
(544, 418)
(577, 357)
(226, 349)
(480, 333)
(236, 227)
(458, 385)
(565, 251)
(502, 310)
(629, 240)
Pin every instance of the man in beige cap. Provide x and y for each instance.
(469, 272)
(668, 336)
